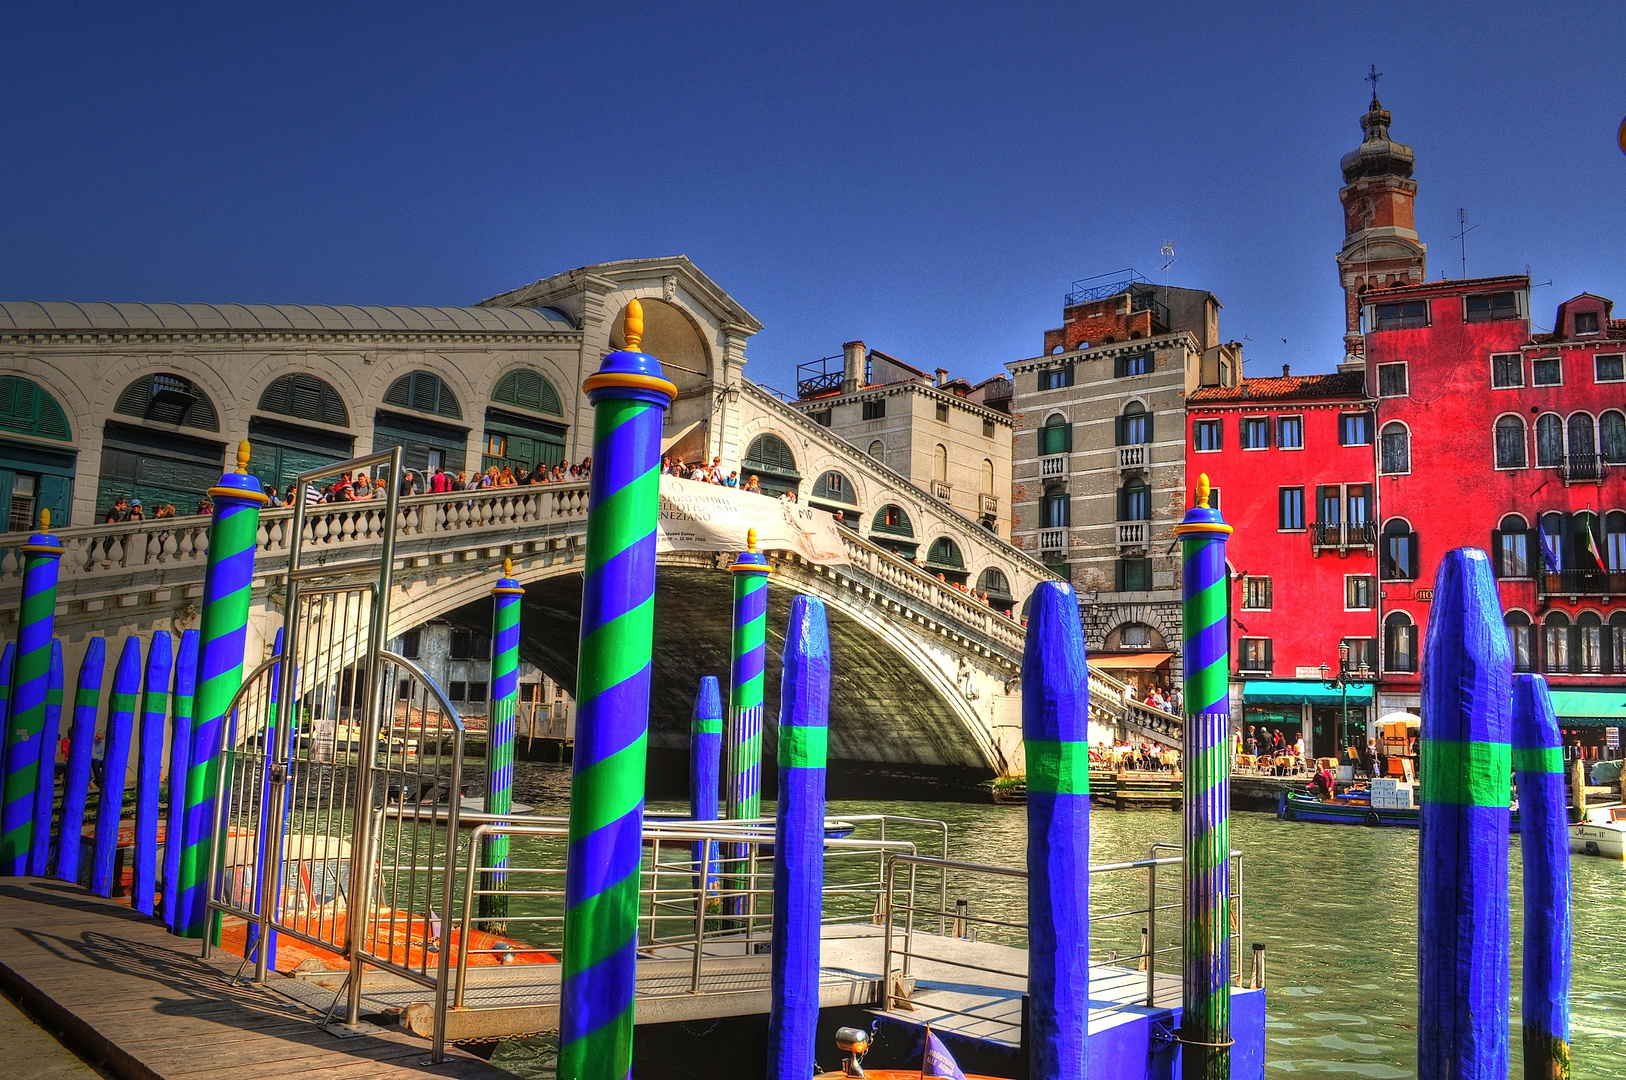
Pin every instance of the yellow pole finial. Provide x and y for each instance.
(633, 328)
(750, 540)
(242, 458)
(1202, 490)
(45, 519)
(508, 568)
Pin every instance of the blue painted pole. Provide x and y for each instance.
(39, 854)
(268, 747)
(87, 701)
(180, 746)
(705, 755)
(798, 854)
(149, 771)
(115, 763)
(36, 622)
(1055, 742)
(1466, 756)
(1544, 836)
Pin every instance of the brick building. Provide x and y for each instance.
(1292, 459)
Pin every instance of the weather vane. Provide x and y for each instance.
(1372, 77)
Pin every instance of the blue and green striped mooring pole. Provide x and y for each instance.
(149, 771)
(1544, 836)
(87, 702)
(747, 676)
(507, 596)
(1056, 745)
(180, 745)
(121, 707)
(1466, 753)
(1205, 1031)
(39, 852)
(222, 638)
(30, 678)
(705, 757)
(629, 394)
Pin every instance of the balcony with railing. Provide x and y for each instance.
(1131, 457)
(1132, 534)
(988, 504)
(1343, 536)
(1052, 466)
(1582, 583)
(1052, 539)
(1583, 469)
(941, 490)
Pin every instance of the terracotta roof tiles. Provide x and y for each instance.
(1336, 384)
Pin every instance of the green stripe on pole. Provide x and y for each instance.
(1058, 768)
(707, 727)
(803, 747)
(1467, 773)
(1546, 759)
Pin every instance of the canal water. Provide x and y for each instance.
(1335, 906)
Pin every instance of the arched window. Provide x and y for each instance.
(1135, 501)
(1549, 441)
(425, 392)
(1589, 643)
(940, 463)
(1394, 445)
(1556, 642)
(993, 582)
(1582, 436)
(833, 487)
(1056, 437)
(1520, 640)
(1398, 560)
(987, 477)
(168, 399)
(305, 397)
(1510, 443)
(27, 408)
(1055, 508)
(1511, 543)
(1134, 425)
(769, 459)
(1399, 643)
(1614, 541)
(527, 389)
(944, 554)
(1617, 643)
(877, 450)
(892, 520)
(1553, 555)
(1612, 437)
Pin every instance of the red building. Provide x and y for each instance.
(1496, 437)
(1293, 460)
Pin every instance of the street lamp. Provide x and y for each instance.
(1341, 683)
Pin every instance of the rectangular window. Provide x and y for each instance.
(1547, 371)
(1206, 435)
(1392, 380)
(1055, 378)
(1290, 433)
(1134, 575)
(942, 413)
(1256, 594)
(1290, 509)
(1609, 368)
(477, 691)
(1358, 592)
(1507, 370)
(1359, 499)
(988, 429)
(875, 410)
(1329, 501)
(1256, 433)
(1363, 653)
(1255, 655)
(1055, 438)
(1406, 316)
(1520, 639)
(1487, 307)
(496, 445)
(468, 645)
(1355, 429)
(1399, 560)
(1138, 364)
(411, 642)
(822, 418)
(1586, 322)
(1513, 554)
(1213, 499)
(458, 690)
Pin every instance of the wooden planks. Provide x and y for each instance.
(142, 1002)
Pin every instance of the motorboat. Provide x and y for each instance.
(1602, 834)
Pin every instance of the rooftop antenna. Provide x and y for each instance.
(1462, 237)
(1168, 256)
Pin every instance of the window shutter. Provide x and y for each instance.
(1118, 426)
(56, 495)
(1067, 438)
(1496, 552)
(1416, 557)
(1148, 429)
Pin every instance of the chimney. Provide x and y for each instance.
(1286, 371)
(852, 354)
(942, 376)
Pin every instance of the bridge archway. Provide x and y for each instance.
(671, 334)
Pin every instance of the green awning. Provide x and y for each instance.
(1301, 691)
(1580, 707)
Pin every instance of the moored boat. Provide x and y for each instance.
(1603, 833)
(1297, 806)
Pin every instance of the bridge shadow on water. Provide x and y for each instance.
(891, 733)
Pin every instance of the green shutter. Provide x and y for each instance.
(306, 397)
(528, 389)
(26, 408)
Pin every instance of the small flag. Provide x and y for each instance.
(1549, 548)
(937, 1061)
(1584, 521)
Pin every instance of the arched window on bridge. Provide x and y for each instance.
(32, 477)
(994, 582)
(282, 450)
(834, 492)
(149, 459)
(426, 445)
(891, 529)
(944, 558)
(770, 460)
(524, 423)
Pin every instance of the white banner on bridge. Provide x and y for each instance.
(706, 517)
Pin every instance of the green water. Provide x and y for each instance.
(1335, 906)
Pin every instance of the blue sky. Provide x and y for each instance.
(928, 178)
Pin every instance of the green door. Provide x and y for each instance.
(156, 467)
(280, 452)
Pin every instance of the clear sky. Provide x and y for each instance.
(928, 178)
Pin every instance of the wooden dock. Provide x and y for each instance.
(142, 1005)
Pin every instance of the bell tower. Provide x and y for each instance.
(1381, 248)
